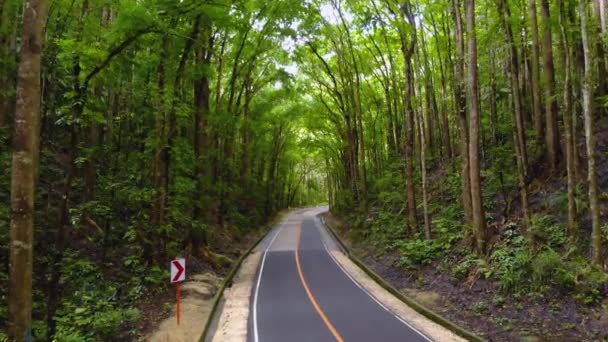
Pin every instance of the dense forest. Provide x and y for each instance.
(468, 135)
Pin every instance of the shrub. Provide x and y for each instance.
(543, 230)
(545, 267)
(589, 281)
(419, 252)
(462, 270)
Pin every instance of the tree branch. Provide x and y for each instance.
(113, 53)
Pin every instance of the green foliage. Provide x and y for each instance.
(98, 308)
(462, 269)
(419, 252)
(560, 202)
(511, 267)
(545, 268)
(544, 230)
(93, 319)
(518, 268)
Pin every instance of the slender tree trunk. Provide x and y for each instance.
(493, 99)
(408, 49)
(539, 120)
(553, 148)
(445, 126)
(519, 134)
(569, 112)
(90, 166)
(423, 151)
(461, 104)
(23, 174)
(360, 160)
(479, 222)
(589, 83)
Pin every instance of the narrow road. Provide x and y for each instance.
(301, 293)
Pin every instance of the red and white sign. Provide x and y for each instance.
(178, 270)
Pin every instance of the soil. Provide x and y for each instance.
(477, 304)
(158, 307)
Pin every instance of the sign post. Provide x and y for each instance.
(178, 274)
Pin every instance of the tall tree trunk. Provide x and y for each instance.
(461, 104)
(23, 174)
(539, 122)
(569, 113)
(423, 153)
(91, 140)
(552, 142)
(432, 108)
(358, 113)
(589, 83)
(445, 126)
(479, 222)
(408, 49)
(519, 134)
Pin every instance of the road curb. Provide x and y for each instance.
(228, 279)
(426, 312)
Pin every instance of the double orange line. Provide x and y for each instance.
(327, 322)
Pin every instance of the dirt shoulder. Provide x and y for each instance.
(158, 322)
(195, 308)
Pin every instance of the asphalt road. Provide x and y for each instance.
(302, 294)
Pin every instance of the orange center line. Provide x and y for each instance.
(310, 295)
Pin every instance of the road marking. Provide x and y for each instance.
(330, 326)
(257, 288)
(368, 293)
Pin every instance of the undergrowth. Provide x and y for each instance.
(551, 265)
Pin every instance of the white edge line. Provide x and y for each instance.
(257, 287)
(371, 295)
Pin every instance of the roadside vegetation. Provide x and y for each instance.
(473, 142)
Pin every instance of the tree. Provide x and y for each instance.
(552, 140)
(25, 152)
(479, 220)
(569, 112)
(539, 125)
(589, 84)
(460, 99)
(519, 135)
(408, 48)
